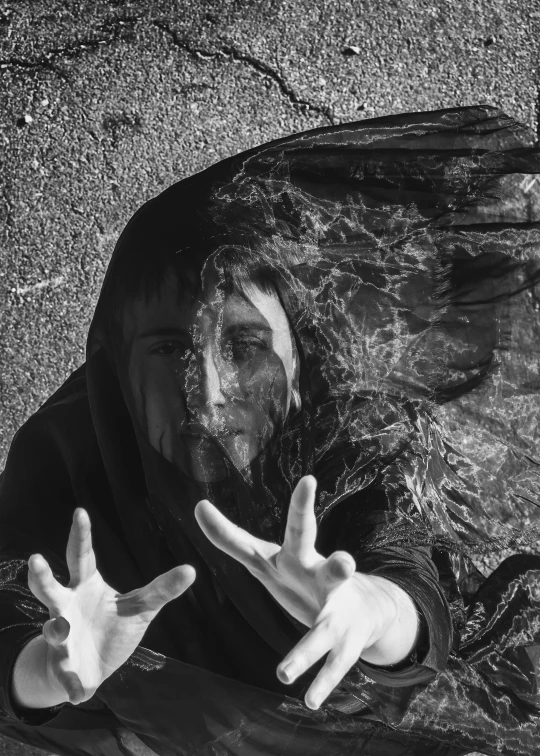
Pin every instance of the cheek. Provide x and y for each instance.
(158, 392)
(186, 374)
(265, 384)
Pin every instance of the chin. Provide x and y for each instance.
(208, 476)
(208, 465)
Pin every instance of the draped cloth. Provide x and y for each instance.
(403, 253)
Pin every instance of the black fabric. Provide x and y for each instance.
(395, 251)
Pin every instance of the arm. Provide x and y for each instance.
(29, 521)
(388, 538)
(31, 686)
(21, 619)
(350, 615)
(399, 627)
(63, 629)
(92, 629)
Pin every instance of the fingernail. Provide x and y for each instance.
(316, 701)
(61, 627)
(289, 671)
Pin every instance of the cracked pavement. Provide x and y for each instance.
(104, 104)
(230, 51)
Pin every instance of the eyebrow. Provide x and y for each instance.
(248, 325)
(164, 331)
(244, 325)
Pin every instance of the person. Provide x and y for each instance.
(238, 528)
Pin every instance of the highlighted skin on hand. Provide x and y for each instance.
(349, 614)
(92, 629)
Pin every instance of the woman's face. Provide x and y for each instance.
(222, 366)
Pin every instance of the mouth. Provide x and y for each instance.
(194, 430)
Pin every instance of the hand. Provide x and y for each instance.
(350, 614)
(92, 630)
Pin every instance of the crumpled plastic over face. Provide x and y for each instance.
(393, 249)
(209, 371)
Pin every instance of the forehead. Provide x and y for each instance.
(168, 304)
(175, 306)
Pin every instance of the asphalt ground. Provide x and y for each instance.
(104, 104)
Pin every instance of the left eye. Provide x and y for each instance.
(244, 348)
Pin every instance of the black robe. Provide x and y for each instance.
(203, 680)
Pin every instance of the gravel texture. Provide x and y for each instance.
(104, 104)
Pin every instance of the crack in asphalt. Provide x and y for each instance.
(121, 29)
(40, 63)
(259, 65)
(538, 116)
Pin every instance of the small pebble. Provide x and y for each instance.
(44, 103)
(24, 120)
(351, 50)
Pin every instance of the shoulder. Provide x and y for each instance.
(61, 427)
(73, 392)
(49, 457)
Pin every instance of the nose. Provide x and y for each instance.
(208, 392)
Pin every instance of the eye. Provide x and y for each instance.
(242, 348)
(170, 349)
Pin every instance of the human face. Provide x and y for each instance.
(210, 375)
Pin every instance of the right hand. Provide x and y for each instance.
(92, 629)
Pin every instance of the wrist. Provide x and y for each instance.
(31, 686)
(395, 622)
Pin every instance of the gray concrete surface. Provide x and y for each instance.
(104, 104)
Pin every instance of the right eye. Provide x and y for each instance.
(170, 349)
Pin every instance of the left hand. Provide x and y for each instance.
(350, 614)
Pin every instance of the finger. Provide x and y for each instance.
(339, 566)
(56, 631)
(80, 556)
(71, 683)
(43, 584)
(234, 541)
(301, 530)
(339, 662)
(159, 592)
(313, 646)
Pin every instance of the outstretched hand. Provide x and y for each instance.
(92, 629)
(349, 614)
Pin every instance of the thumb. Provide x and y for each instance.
(56, 631)
(163, 589)
(339, 566)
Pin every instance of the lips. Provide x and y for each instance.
(196, 430)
